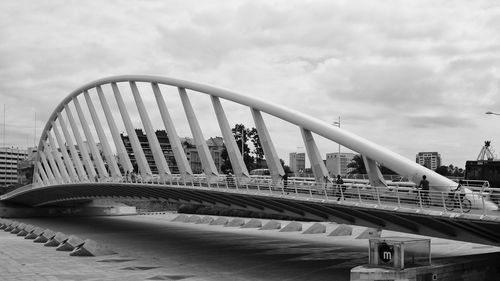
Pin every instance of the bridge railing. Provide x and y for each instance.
(476, 199)
(479, 200)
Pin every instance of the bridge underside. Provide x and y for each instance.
(484, 230)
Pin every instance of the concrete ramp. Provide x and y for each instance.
(315, 229)
(220, 221)
(45, 236)
(91, 248)
(292, 226)
(205, 220)
(342, 230)
(70, 244)
(181, 218)
(236, 222)
(271, 225)
(56, 240)
(253, 223)
(370, 233)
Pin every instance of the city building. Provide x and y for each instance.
(9, 157)
(25, 167)
(215, 146)
(332, 163)
(143, 140)
(430, 160)
(298, 163)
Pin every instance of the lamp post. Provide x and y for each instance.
(242, 135)
(337, 123)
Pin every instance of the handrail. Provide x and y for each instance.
(404, 198)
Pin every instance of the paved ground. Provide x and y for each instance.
(154, 248)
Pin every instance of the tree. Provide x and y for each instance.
(442, 170)
(241, 136)
(357, 165)
(258, 150)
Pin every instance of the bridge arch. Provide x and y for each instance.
(307, 124)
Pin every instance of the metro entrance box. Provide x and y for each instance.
(399, 252)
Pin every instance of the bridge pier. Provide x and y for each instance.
(97, 207)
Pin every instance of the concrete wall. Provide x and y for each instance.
(474, 268)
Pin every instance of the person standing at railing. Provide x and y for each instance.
(285, 180)
(340, 188)
(424, 187)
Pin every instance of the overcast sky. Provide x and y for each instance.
(410, 76)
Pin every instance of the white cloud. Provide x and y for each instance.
(410, 76)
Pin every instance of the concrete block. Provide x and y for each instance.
(205, 220)
(27, 229)
(5, 223)
(181, 218)
(45, 236)
(91, 248)
(220, 221)
(271, 225)
(56, 240)
(315, 229)
(370, 233)
(11, 226)
(193, 219)
(35, 233)
(292, 226)
(236, 222)
(342, 230)
(70, 244)
(253, 223)
(18, 228)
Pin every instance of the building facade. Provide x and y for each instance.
(26, 167)
(334, 159)
(430, 160)
(298, 163)
(9, 158)
(166, 148)
(215, 146)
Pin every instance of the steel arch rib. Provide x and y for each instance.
(383, 156)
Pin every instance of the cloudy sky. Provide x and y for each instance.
(410, 76)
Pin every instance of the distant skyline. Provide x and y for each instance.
(411, 76)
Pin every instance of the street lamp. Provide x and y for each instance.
(494, 113)
(337, 123)
(242, 135)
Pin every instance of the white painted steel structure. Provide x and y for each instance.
(85, 163)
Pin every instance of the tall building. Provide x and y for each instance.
(166, 148)
(26, 167)
(332, 163)
(9, 157)
(298, 162)
(431, 160)
(215, 146)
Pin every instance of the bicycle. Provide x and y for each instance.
(457, 200)
(422, 198)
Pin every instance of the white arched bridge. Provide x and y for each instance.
(83, 156)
